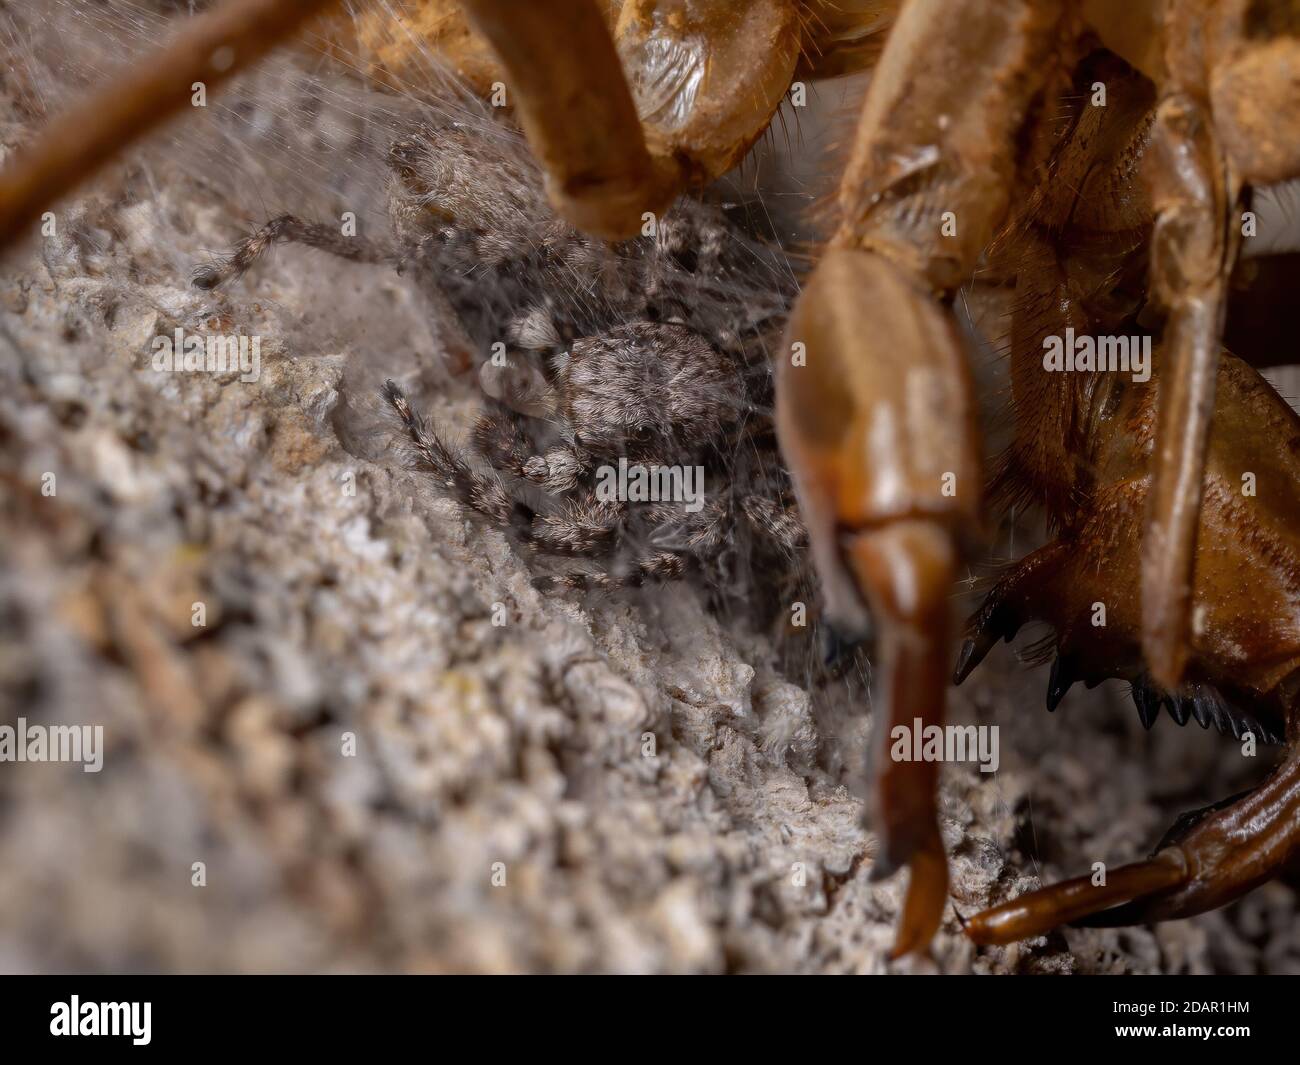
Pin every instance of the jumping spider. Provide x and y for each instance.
(652, 355)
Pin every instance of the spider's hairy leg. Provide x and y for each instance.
(877, 422)
(653, 567)
(432, 455)
(777, 522)
(575, 530)
(286, 229)
(211, 48)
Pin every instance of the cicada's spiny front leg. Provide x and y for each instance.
(210, 49)
(875, 407)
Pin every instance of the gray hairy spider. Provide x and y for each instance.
(652, 355)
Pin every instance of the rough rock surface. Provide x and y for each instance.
(374, 774)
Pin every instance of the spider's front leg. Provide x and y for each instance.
(875, 409)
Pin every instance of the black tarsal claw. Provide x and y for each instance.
(967, 659)
(1060, 682)
(973, 651)
(993, 622)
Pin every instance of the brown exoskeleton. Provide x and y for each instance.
(1085, 450)
(1152, 195)
(1106, 221)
